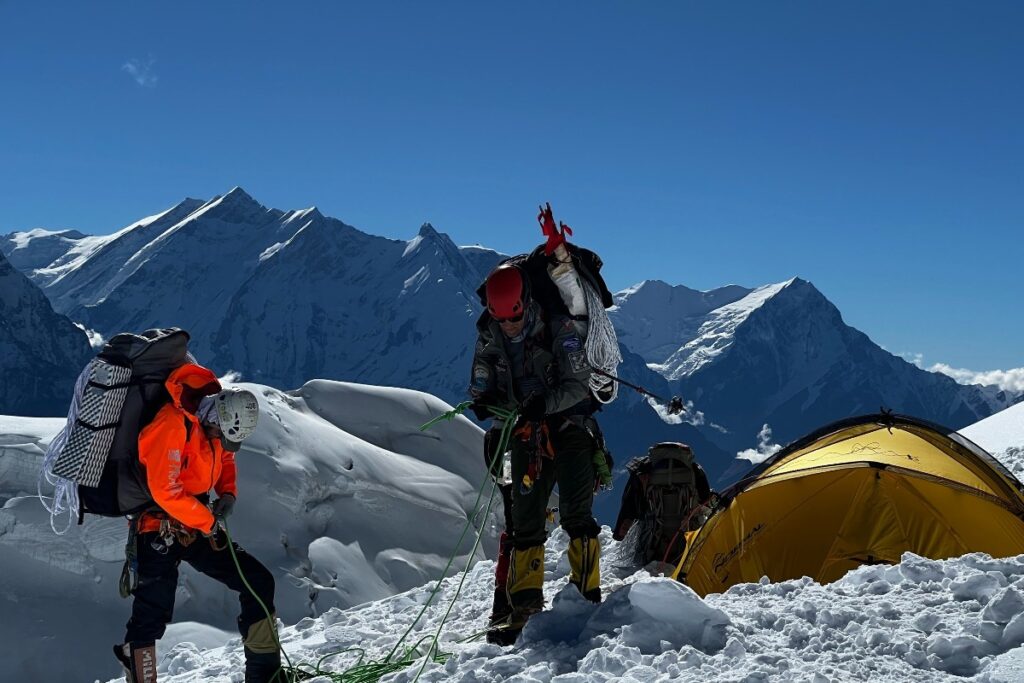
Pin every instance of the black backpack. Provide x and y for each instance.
(543, 290)
(665, 491)
(124, 392)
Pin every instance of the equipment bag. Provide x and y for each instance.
(671, 498)
(123, 393)
(665, 490)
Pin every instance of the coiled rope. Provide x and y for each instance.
(602, 345)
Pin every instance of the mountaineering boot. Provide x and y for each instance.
(525, 593)
(585, 567)
(263, 667)
(262, 653)
(501, 608)
(138, 661)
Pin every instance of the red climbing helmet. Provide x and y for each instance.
(506, 293)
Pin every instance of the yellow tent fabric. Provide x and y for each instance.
(860, 491)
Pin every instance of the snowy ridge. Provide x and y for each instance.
(113, 247)
(655, 319)
(36, 248)
(717, 333)
(336, 488)
(482, 259)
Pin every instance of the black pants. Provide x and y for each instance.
(572, 469)
(153, 607)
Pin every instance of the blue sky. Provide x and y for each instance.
(874, 148)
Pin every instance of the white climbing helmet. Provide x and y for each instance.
(238, 411)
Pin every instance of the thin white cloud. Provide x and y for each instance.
(911, 357)
(141, 71)
(1010, 380)
(765, 448)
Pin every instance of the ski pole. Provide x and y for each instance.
(674, 405)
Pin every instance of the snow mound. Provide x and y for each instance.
(1001, 434)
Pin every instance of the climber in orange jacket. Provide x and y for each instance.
(187, 450)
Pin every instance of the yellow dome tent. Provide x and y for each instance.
(859, 491)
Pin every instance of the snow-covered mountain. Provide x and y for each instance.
(285, 296)
(280, 296)
(340, 495)
(781, 354)
(38, 248)
(921, 620)
(344, 304)
(653, 317)
(41, 352)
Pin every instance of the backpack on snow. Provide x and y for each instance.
(120, 392)
(663, 496)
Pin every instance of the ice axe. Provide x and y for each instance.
(674, 405)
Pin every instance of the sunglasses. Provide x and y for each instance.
(513, 319)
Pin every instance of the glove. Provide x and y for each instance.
(479, 408)
(534, 408)
(223, 506)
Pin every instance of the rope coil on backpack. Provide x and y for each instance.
(65, 491)
(602, 345)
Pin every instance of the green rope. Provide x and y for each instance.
(449, 416)
(270, 617)
(363, 671)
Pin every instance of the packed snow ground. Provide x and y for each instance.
(922, 620)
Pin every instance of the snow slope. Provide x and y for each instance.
(1000, 432)
(921, 620)
(340, 495)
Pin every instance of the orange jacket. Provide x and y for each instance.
(181, 462)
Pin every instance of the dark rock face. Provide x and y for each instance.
(41, 352)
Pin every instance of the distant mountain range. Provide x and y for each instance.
(286, 296)
(41, 352)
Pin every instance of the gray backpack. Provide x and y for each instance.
(672, 499)
(119, 393)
